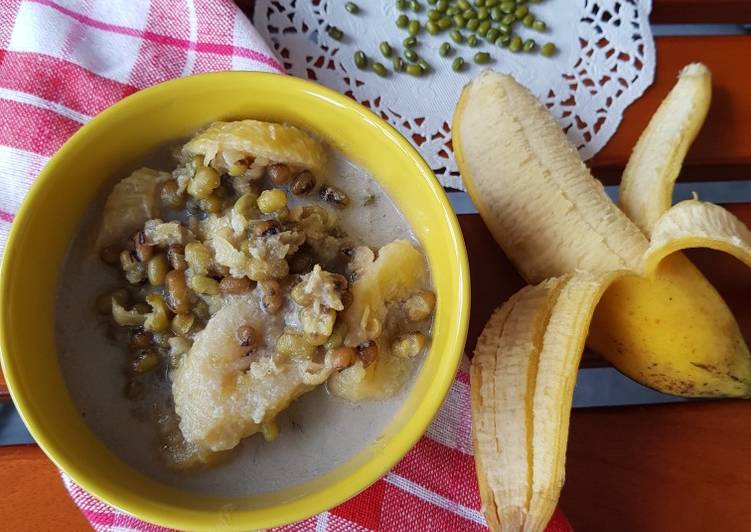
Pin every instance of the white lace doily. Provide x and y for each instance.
(606, 60)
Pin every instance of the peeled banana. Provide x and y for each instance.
(535, 194)
(551, 217)
(644, 305)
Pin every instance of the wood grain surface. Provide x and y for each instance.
(701, 12)
(32, 497)
(681, 467)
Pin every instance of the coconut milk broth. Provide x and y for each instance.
(318, 432)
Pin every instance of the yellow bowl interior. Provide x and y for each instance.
(122, 136)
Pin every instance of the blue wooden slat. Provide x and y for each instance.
(594, 387)
(713, 191)
(12, 429)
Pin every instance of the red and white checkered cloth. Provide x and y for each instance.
(62, 62)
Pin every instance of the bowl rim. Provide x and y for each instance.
(342, 489)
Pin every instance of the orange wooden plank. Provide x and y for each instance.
(723, 148)
(663, 11)
(665, 468)
(661, 468)
(33, 497)
(701, 12)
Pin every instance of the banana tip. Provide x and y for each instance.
(694, 69)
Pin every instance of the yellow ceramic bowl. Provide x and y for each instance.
(119, 138)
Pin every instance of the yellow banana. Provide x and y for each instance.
(652, 313)
(551, 217)
(665, 330)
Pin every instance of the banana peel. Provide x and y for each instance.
(646, 187)
(502, 395)
(522, 381)
(697, 224)
(666, 328)
(651, 311)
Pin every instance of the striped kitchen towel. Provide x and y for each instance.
(62, 62)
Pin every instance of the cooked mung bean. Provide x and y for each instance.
(145, 361)
(279, 173)
(178, 296)
(158, 319)
(304, 182)
(247, 336)
(408, 345)
(202, 284)
(334, 195)
(272, 200)
(157, 269)
(234, 285)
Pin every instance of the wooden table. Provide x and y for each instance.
(679, 467)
